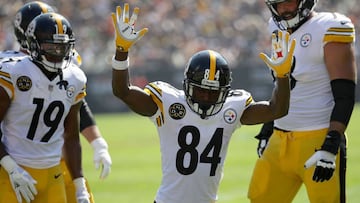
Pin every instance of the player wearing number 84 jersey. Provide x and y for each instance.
(195, 124)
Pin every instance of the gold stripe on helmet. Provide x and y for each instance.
(212, 65)
(58, 20)
(44, 7)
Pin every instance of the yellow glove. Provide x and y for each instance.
(125, 35)
(282, 57)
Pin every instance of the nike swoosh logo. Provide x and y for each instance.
(57, 176)
(344, 22)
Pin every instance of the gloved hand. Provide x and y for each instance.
(125, 35)
(21, 181)
(264, 136)
(82, 195)
(325, 157)
(263, 141)
(325, 165)
(282, 57)
(101, 156)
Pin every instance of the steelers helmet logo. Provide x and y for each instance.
(177, 111)
(305, 40)
(70, 91)
(23, 83)
(230, 116)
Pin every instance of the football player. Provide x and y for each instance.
(195, 124)
(40, 98)
(308, 146)
(88, 127)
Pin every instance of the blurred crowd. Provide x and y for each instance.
(177, 29)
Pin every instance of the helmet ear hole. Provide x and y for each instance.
(25, 15)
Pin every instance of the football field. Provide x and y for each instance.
(136, 169)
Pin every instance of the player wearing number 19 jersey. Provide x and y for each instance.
(40, 100)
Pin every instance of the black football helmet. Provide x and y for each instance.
(25, 15)
(207, 74)
(51, 40)
(303, 11)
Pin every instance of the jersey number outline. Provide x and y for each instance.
(213, 146)
(48, 121)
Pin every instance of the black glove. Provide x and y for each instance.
(325, 157)
(263, 137)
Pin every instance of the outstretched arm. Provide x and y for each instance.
(125, 36)
(281, 61)
(91, 132)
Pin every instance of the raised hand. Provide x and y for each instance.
(125, 35)
(282, 56)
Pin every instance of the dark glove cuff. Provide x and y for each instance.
(266, 131)
(332, 142)
(262, 136)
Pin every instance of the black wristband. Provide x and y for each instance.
(332, 142)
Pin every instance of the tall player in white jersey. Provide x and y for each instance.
(195, 124)
(308, 146)
(40, 100)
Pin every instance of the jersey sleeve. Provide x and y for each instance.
(155, 91)
(339, 29)
(6, 81)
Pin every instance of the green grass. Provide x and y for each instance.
(136, 170)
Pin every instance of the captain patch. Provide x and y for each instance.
(177, 111)
(23, 83)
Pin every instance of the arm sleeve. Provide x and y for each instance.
(86, 116)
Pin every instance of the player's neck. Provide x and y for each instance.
(50, 75)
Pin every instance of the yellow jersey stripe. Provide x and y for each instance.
(248, 101)
(339, 38)
(212, 65)
(155, 94)
(339, 29)
(80, 96)
(5, 74)
(9, 85)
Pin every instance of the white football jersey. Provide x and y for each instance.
(11, 54)
(193, 150)
(311, 99)
(33, 126)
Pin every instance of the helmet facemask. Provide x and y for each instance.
(207, 83)
(216, 98)
(299, 16)
(51, 48)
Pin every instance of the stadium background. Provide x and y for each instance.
(177, 29)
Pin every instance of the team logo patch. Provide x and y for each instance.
(177, 111)
(70, 91)
(230, 116)
(24, 83)
(305, 40)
